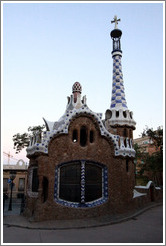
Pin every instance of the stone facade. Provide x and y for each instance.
(62, 149)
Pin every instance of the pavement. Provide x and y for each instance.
(16, 219)
(143, 226)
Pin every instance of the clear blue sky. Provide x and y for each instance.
(49, 46)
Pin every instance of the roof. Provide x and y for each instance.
(75, 107)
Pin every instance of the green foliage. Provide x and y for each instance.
(22, 140)
(155, 136)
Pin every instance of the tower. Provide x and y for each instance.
(118, 119)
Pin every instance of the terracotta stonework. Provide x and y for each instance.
(61, 150)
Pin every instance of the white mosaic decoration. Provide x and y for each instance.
(118, 114)
(62, 126)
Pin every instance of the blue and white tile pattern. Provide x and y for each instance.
(118, 95)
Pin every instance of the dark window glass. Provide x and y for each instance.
(70, 179)
(93, 182)
(124, 114)
(91, 136)
(71, 182)
(75, 136)
(83, 136)
(35, 181)
(117, 114)
(45, 189)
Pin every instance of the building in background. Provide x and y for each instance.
(20, 181)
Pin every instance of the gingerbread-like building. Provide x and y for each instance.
(83, 166)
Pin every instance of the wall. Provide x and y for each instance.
(19, 174)
(63, 149)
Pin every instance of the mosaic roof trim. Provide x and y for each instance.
(74, 109)
(63, 126)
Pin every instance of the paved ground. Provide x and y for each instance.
(144, 228)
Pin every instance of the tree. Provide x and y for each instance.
(155, 136)
(152, 163)
(22, 140)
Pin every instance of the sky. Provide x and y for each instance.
(47, 46)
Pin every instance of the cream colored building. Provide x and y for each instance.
(20, 180)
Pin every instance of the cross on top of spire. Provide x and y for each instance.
(115, 21)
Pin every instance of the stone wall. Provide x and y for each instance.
(62, 149)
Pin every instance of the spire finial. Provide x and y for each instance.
(115, 21)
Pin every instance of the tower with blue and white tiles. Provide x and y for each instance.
(118, 119)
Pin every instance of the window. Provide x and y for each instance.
(91, 136)
(83, 136)
(70, 176)
(93, 184)
(117, 114)
(35, 181)
(75, 136)
(45, 188)
(124, 114)
(21, 184)
(81, 184)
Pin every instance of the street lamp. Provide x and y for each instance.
(12, 177)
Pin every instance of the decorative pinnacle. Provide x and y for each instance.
(115, 21)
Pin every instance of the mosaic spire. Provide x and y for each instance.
(118, 96)
(118, 114)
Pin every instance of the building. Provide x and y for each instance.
(20, 181)
(147, 146)
(83, 166)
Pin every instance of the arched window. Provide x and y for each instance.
(70, 186)
(81, 184)
(35, 180)
(83, 136)
(124, 114)
(93, 182)
(75, 136)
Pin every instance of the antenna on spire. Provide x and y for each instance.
(115, 21)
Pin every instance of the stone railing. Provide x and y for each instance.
(125, 147)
